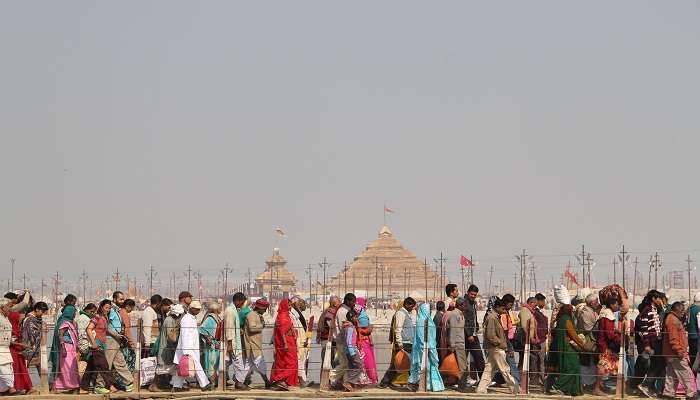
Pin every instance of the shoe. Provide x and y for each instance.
(645, 391)
(241, 386)
(208, 387)
(382, 385)
(129, 388)
(472, 382)
(247, 381)
(180, 389)
(412, 387)
(101, 390)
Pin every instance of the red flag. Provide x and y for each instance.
(389, 210)
(465, 262)
(571, 276)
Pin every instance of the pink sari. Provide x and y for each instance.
(69, 378)
(364, 341)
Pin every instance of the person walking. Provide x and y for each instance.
(7, 373)
(650, 363)
(455, 341)
(341, 360)
(403, 330)
(188, 349)
(252, 340)
(167, 345)
(421, 340)
(675, 351)
(232, 335)
(150, 325)
(586, 315)
(64, 349)
(97, 367)
(471, 327)
(693, 328)
(326, 321)
(210, 342)
(355, 376)
(496, 345)
(563, 364)
(23, 382)
(115, 341)
(284, 369)
(32, 332)
(82, 320)
(608, 341)
(364, 339)
(296, 313)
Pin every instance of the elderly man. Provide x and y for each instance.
(7, 374)
(188, 345)
(252, 336)
(232, 334)
(586, 317)
(296, 313)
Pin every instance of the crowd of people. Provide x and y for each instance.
(575, 351)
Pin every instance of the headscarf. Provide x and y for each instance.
(283, 323)
(176, 310)
(68, 315)
(420, 341)
(360, 309)
(399, 306)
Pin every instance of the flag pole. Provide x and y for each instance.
(384, 214)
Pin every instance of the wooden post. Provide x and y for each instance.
(222, 360)
(423, 381)
(44, 377)
(525, 375)
(326, 367)
(620, 383)
(137, 370)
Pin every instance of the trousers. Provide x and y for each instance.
(496, 361)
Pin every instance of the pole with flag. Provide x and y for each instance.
(387, 210)
(465, 262)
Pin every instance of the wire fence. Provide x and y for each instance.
(114, 363)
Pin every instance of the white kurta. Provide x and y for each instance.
(302, 352)
(188, 344)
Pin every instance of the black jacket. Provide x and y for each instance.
(471, 324)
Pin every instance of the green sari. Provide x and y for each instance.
(211, 346)
(564, 361)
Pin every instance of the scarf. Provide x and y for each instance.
(68, 315)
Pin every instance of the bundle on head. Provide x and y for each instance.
(615, 292)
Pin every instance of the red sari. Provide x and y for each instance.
(285, 367)
(22, 379)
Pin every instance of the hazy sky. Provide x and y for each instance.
(169, 133)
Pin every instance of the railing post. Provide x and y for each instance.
(525, 375)
(137, 370)
(423, 381)
(44, 367)
(222, 357)
(620, 384)
(326, 366)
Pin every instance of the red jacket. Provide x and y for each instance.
(675, 338)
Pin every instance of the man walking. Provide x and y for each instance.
(404, 329)
(299, 322)
(495, 341)
(471, 328)
(115, 340)
(456, 342)
(252, 335)
(675, 350)
(323, 331)
(188, 346)
(341, 358)
(149, 325)
(232, 333)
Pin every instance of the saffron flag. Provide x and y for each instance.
(571, 276)
(389, 210)
(465, 262)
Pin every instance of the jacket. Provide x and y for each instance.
(675, 338)
(471, 324)
(252, 334)
(494, 335)
(649, 325)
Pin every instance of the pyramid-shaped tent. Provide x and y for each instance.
(386, 270)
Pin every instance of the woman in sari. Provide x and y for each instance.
(420, 341)
(285, 368)
(96, 335)
(349, 338)
(210, 344)
(64, 350)
(563, 361)
(364, 339)
(608, 341)
(23, 383)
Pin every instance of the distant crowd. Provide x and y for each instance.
(588, 347)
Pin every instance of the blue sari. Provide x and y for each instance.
(434, 380)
